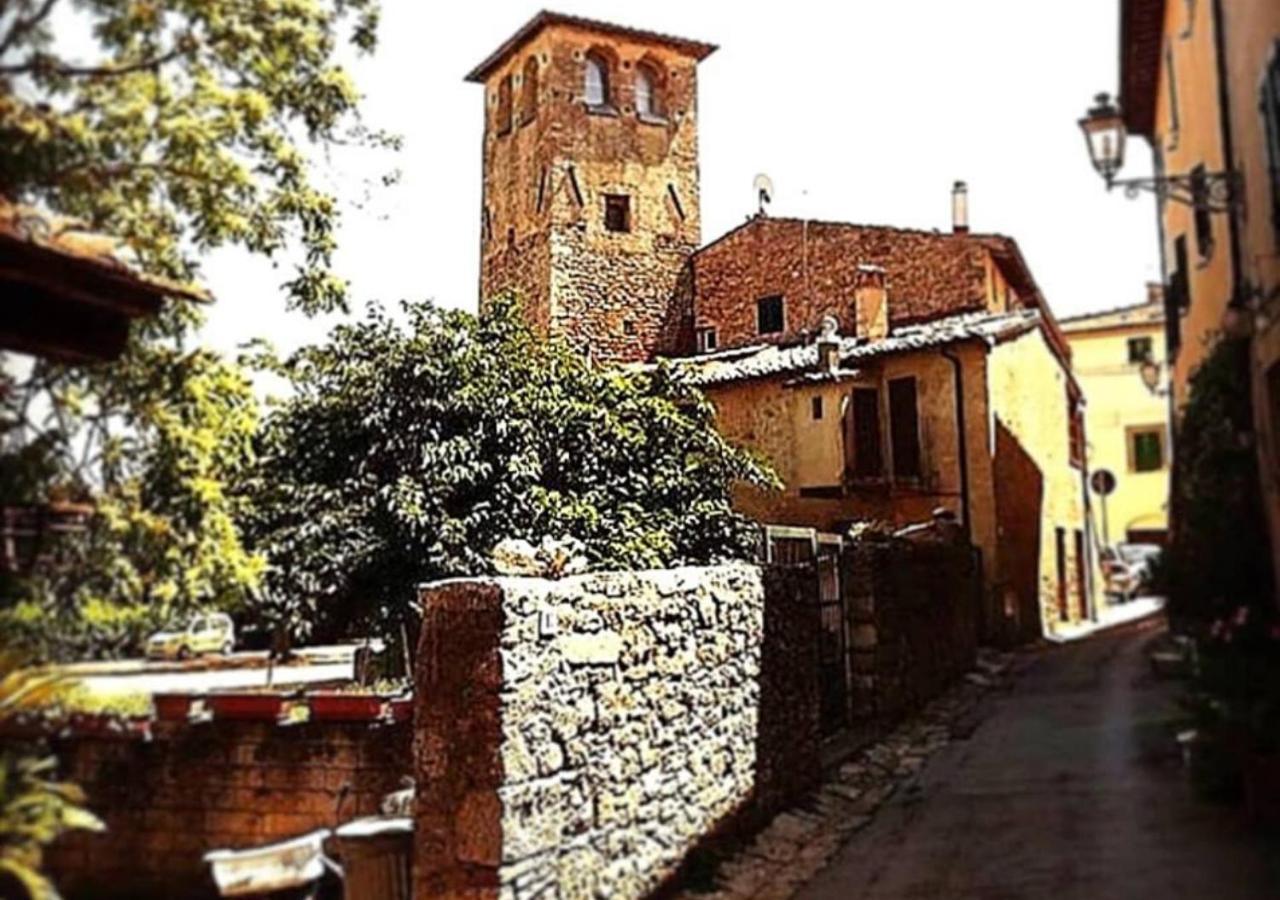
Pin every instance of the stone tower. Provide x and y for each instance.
(590, 205)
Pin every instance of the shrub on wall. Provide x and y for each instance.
(1220, 558)
(408, 451)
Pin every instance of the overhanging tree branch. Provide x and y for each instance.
(43, 63)
(21, 26)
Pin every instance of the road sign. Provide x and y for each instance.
(1102, 482)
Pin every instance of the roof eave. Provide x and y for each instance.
(699, 50)
(1141, 33)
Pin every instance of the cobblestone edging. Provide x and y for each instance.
(800, 841)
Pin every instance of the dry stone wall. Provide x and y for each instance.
(582, 736)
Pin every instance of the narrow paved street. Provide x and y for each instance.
(1070, 788)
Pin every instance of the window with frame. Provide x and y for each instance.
(595, 81)
(1201, 217)
(706, 337)
(1177, 297)
(904, 427)
(1140, 349)
(863, 458)
(529, 91)
(1269, 103)
(770, 317)
(617, 212)
(1175, 126)
(1146, 449)
(1075, 429)
(502, 112)
(648, 102)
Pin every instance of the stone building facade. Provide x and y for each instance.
(590, 205)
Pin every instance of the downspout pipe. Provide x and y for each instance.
(962, 440)
(1235, 297)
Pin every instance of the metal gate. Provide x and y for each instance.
(821, 553)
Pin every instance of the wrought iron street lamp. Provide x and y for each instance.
(1105, 135)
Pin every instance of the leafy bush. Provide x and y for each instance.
(1219, 554)
(408, 452)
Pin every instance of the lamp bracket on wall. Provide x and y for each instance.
(1211, 191)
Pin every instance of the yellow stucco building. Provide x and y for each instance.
(887, 373)
(1200, 81)
(1127, 423)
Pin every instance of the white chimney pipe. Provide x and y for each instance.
(960, 208)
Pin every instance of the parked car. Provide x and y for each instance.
(211, 633)
(1128, 568)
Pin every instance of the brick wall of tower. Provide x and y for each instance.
(545, 180)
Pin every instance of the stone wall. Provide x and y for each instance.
(226, 784)
(587, 734)
(912, 621)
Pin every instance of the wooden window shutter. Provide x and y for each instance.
(862, 435)
(904, 425)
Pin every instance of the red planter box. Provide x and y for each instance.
(346, 707)
(402, 709)
(258, 707)
(172, 707)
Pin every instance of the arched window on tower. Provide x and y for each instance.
(648, 101)
(529, 91)
(502, 112)
(596, 80)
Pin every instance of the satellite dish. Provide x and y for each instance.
(764, 190)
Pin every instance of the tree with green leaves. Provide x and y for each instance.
(408, 452)
(178, 127)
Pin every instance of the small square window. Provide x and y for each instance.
(617, 212)
(769, 315)
(1139, 349)
(817, 407)
(706, 340)
(1146, 449)
(628, 327)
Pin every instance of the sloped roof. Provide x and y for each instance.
(1119, 317)
(77, 245)
(699, 50)
(66, 293)
(764, 360)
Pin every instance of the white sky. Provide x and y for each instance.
(863, 111)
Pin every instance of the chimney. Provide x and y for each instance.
(829, 344)
(870, 303)
(960, 208)
(1155, 293)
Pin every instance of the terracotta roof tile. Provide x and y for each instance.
(763, 360)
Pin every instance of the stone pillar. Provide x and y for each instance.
(458, 762)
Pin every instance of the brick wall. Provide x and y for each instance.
(227, 784)
(814, 266)
(584, 735)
